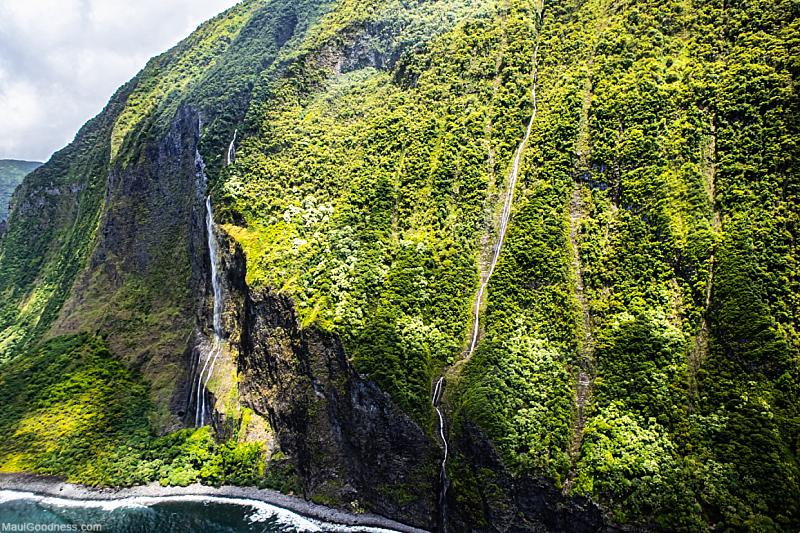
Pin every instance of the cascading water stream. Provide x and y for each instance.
(213, 252)
(214, 352)
(505, 218)
(231, 149)
(437, 396)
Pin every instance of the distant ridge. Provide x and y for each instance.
(12, 172)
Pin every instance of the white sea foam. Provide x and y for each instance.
(262, 511)
(12, 495)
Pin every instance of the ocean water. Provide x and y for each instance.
(27, 512)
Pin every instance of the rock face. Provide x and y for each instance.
(350, 443)
(495, 500)
(151, 256)
(373, 144)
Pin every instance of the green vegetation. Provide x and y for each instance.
(50, 234)
(362, 199)
(671, 119)
(66, 405)
(175, 72)
(11, 174)
(73, 410)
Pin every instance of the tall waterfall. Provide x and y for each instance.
(214, 255)
(211, 356)
(505, 218)
(231, 149)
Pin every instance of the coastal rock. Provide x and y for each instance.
(351, 444)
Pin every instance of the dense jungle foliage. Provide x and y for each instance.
(73, 410)
(652, 245)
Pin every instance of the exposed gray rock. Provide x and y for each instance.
(348, 439)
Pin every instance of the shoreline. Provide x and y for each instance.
(57, 488)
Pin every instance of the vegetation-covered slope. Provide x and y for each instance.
(639, 336)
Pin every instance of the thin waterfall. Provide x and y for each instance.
(214, 254)
(435, 400)
(211, 356)
(505, 218)
(231, 150)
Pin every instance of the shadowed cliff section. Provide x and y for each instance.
(487, 497)
(144, 279)
(351, 444)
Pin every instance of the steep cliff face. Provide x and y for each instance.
(578, 219)
(51, 231)
(348, 443)
(486, 496)
(352, 444)
(146, 276)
